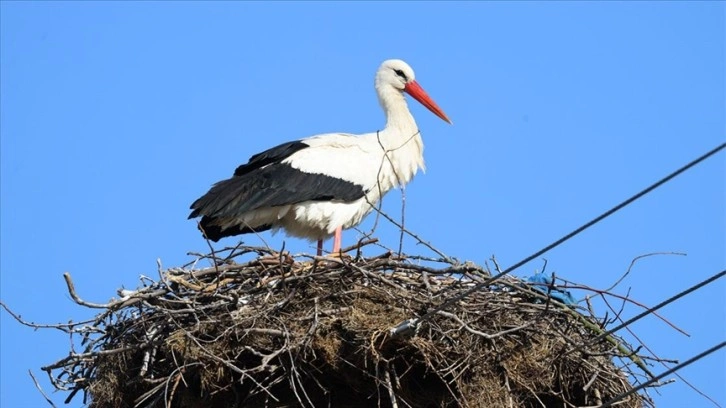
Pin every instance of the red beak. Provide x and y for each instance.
(415, 90)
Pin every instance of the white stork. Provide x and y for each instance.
(314, 187)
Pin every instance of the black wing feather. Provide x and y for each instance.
(213, 231)
(266, 182)
(269, 156)
(274, 185)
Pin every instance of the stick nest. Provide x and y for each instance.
(262, 328)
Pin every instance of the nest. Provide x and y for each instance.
(261, 328)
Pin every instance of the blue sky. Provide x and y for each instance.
(116, 116)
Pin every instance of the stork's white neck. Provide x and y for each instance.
(400, 139)
(396, 109)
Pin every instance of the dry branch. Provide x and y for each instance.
(276, 330)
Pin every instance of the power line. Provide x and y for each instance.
(410, 325)
(668, 372)
(659, 305)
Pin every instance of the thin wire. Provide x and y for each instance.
(658, 306)
(657, 378)
(410, 324)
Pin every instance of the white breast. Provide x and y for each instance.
(364, 160)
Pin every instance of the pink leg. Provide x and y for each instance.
(320, 247)
(337, 239)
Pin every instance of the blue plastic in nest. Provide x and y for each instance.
(544, 284)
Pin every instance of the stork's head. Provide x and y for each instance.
(396, 74)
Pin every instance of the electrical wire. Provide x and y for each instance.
(659, 305)
(410, 326)
(658, 377)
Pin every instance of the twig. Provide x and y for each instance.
(37, 385)
(359, 245)
(77, 299)
(482, 334)
(633, 262)
(72, 327)
(688, 362)
(591, 381)
(389, 386)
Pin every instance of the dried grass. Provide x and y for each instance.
(277, 331)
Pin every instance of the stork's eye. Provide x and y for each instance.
(401, 74)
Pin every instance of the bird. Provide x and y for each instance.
(315, 187)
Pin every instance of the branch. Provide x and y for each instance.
(37, 385)
(77, 299)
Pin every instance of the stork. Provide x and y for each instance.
(316, 187)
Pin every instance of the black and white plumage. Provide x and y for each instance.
(315, 187)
